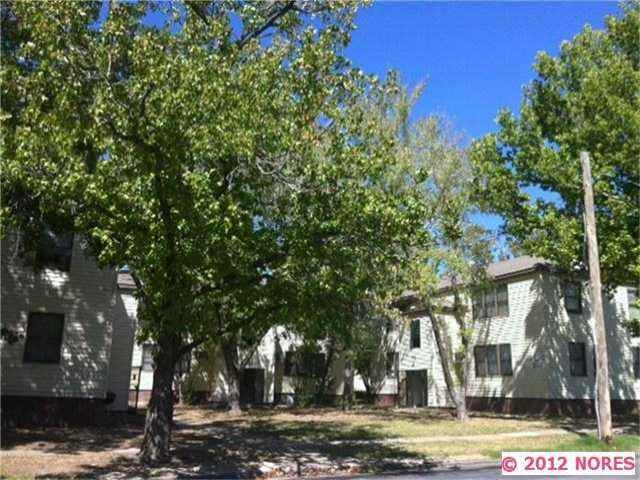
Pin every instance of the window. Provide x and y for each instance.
(415, 334)
(303, 364)
(491, 303)
(577, 360)
(55, 250)
(481, 361)
(493, 360)
(636, 362)
(147, 357)
(477, 307)
(502, 296)
(44, 338)
(573, 297)
(505, 360)
(312, 364)
(392, 363)
(288, 363)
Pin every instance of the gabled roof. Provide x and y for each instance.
(495, 271)
(505, 269)
(125, 281)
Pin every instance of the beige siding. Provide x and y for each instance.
(86, 296)
(124, 329)
(538, 329)
(276, 342)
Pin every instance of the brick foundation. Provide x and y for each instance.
(143, 398)
(24, 411)
(381, 400)
(386, 400)
(546, 406)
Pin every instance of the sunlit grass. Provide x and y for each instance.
(575, 443)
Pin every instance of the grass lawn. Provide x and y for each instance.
(327, 424)
(492, 449)
(303, 442)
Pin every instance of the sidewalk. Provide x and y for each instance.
(471, 438)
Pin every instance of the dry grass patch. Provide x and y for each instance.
(297, 442)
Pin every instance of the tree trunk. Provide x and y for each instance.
(322, 384)
(603, 406)
(347, 389)
(230, 352)
(465, 340)
(446, 361)
(159, 419)
(461, 405)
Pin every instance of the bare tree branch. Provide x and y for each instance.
(279, 11)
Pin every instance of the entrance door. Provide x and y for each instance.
(252, 386)
(416, 388)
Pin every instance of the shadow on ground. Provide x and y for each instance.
(209, 444)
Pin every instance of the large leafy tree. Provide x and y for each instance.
(448, 268)
(365, 210)
(160, 141)
(225, 152)
(585, 98)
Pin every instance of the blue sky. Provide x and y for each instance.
(474, 56)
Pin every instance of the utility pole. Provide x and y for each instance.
(603, 399)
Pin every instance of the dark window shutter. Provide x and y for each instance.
(492, 360)
(55, 250)
(477, 307)
(502, 294)
(415, 334)
(577, 359)
(505, 360)
(44, 338)
(288, 363)
(636, 362)
(480, 356)
(573, 297)
(490, 303)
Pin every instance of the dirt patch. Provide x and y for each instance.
(262, 442)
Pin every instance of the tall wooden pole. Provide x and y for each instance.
(602, 362)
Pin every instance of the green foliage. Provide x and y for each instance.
(228, 154)
(633, 327)
(181, 150)
(586, 98)
(312, 377)
(189, 390)
(372, 342)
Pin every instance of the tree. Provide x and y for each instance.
(156, 142)
(446, 271)
(224, 153)
(364, 212)
(583, 99)
(371, 344)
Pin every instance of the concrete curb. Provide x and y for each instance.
(443, 467)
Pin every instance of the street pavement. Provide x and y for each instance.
(478, 474)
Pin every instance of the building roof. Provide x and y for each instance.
(506, 268)
(495, 271)
(125, 281)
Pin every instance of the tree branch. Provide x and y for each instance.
(280, 11)
(190, 346)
